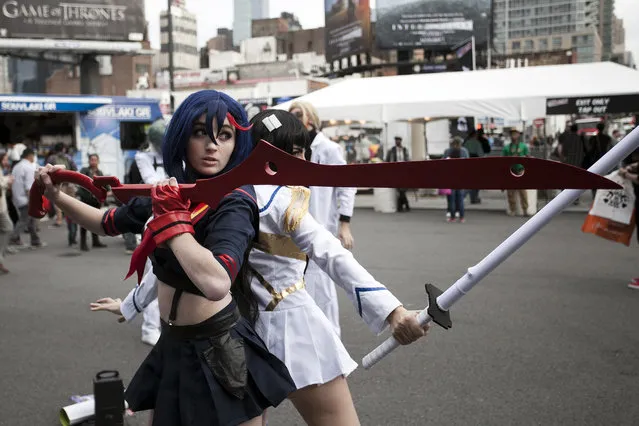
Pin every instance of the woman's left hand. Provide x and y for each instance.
(405, 327)
(167, 198)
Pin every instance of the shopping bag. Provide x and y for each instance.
(616, 204)
(609, 229)
(612, 214)
(445, 191)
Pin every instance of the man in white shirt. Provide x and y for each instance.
(151, 170)
(332, 207)
(23, 176)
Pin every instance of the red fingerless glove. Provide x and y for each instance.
(169, 225)
(166, 199)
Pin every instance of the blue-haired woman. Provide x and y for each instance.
(209, 366)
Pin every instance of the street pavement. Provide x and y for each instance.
(550, 338)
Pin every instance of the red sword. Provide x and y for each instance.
(268, 165)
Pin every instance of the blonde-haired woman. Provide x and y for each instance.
(331, 207)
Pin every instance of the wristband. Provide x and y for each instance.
(344, 218)
(169, 225)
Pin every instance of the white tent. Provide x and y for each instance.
(512, 93)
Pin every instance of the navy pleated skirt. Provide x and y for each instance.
(217, 372)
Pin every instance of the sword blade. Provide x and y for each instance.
(268, 165)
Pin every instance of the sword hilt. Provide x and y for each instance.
(432, 313)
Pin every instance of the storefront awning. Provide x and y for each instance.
(51, 104)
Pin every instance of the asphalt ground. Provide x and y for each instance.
(549, 338)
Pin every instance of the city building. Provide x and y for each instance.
(185, 52)
(244, 12)
(523, 27)
(223, 41)
(606, 23)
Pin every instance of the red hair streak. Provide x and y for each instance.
(235, 123)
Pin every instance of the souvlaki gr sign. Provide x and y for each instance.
(113, 20)
(124, 112)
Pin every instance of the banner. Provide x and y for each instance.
(112, 20)
(348, 27)
(433, 24)
(593, 105)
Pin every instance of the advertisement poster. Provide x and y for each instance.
(434, 24)
(348, 27)
(106, 20)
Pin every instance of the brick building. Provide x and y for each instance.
(116, 78)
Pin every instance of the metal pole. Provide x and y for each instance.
(474, 55)
(170, 52)
(490, 49)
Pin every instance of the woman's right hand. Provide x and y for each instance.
(109, 305)
(42, 175)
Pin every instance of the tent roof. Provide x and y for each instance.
(511, 93)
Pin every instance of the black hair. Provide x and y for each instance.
(27, 152)
(93, 155)
(574, 128)
(291, 132)
(601, 126)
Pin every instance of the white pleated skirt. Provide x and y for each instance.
(305, 341)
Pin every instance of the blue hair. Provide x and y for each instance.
(176, 138)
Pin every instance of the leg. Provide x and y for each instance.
(404, 199)
(398, 201)
(523, 198)
(459, 197)
(326, 405)
(450, 211)
(32, 228)
(83, 240)
(512, 201)
(6, 226)
(19, 228)
(95, 241)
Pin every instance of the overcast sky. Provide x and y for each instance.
(311, 15)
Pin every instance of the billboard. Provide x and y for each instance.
(431, 24)
(348, 27)
(112, 20)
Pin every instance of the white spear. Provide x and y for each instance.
(476, 273)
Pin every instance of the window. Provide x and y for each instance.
(529, 45)
(556, 42)
(141, 69)
(543, 44)
(516, 46)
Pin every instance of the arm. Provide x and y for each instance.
(371, 299)
(345, 202)
(213, 266)
(141, 296)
